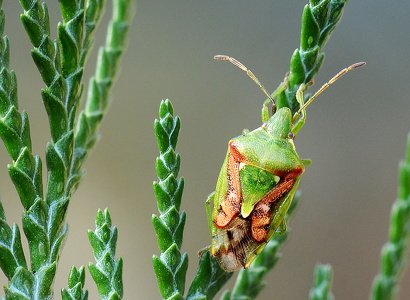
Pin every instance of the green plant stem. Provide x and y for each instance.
(319, 19)
(322, 283)
(60, 63)
(171, 266)
(393, 253)
(97, 100)
(25, 172)
(208, 280)
(107, 272)
(76, 282)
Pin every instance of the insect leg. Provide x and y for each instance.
(265, 109)
(301, 117)
(209, 211)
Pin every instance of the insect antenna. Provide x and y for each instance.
(247, 71)
(327, 84)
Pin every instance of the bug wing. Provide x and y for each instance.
(234, 246)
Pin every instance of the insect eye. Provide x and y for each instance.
(291, 135)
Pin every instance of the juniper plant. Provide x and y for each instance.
(393, 253)
(60, 63)
(322, 283)
(319, 19)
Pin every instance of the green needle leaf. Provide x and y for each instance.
(60, 63)
(107, 272)
(319, 19)
(171, 266)
(75, 290)
(322, 283)
(394, 252)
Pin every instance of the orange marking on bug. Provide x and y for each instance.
(231, 205)
(235, 152)
(262, 213)
(290, 174)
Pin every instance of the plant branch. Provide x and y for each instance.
(171, 266)
(322, 283)
(394, 252)
(319, 19)
(107, 272)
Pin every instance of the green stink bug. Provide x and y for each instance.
(258, 180)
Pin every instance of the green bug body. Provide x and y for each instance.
(255, 187)
(258, 181)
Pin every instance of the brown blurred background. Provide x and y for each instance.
(355, 133)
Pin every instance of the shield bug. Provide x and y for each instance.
(258, 180)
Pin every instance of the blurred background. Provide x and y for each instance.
(355, 133)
